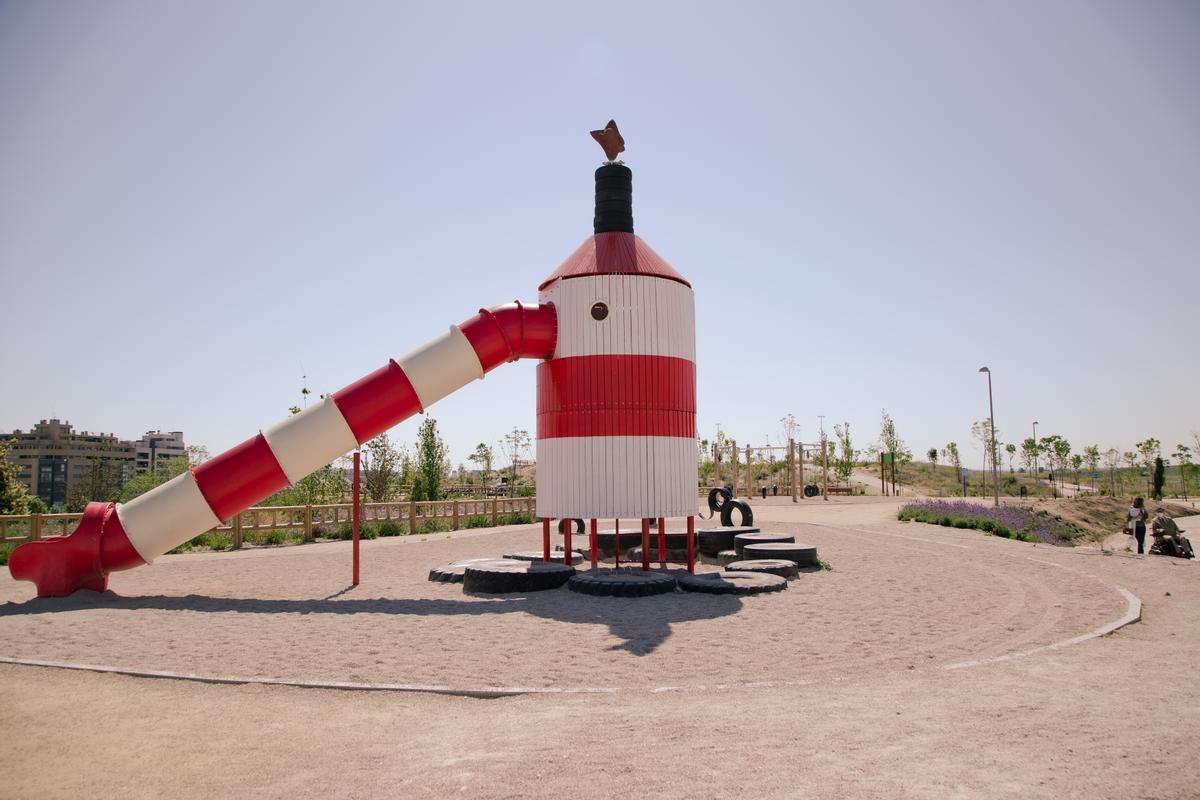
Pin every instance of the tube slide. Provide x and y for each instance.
(113, 537)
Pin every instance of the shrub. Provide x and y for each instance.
(365, 532)
(5, 549)
(516, 519)
(1009, 522)
(433, 525)
(389, 528)
(477, 521)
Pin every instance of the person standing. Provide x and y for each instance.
(1137, 523)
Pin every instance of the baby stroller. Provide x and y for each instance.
(1169, 539)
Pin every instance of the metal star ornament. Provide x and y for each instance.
(611, 140)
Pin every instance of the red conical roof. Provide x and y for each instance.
(614, 254)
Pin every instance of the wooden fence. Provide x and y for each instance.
(311, 520)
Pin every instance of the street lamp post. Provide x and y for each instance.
(992, 417)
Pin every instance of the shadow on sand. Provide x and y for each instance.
(642, 624)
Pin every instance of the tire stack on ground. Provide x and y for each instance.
(774, 554)
(506, 576)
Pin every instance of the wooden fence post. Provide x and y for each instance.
(35, 527)
(412, 516)
(495, 514)
(308, 533)
(237, 531)
(454, 524)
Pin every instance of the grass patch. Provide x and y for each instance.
(206, 541)
(5, 551)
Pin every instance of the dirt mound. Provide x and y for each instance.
(1101, 517)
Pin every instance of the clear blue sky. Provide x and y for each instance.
(201, 202)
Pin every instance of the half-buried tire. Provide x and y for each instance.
(711, 541)
(739, 506)
(621, 583)
(774, 566)
(804, 555)
(556, 556)
(453, 572)
(503, 576)
(742, 539)
(738, 583)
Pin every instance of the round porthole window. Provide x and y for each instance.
(599, 311)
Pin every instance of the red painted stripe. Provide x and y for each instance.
(240, 477)
(375, 403)
(511, 331)
(616, 395)
(116, 551)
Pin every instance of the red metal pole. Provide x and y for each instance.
(691, 536)
(662, 542)
(645, 544)
(593, 543)
(617, 543)
(545, 539)
(355, 513)
(567, 557)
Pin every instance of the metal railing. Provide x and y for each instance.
(416, 516)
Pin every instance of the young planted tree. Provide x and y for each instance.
(982, 431)
(101, 482)
(843, 464)
(1183, 455)
(164, 470)
(1011, 449)
(432, 463)
(1112, 460)
(1029, 453)
(1091, 455)
(1148, 450)
(380, 467)
(932, 455)
(1077, 464)
(483, 458)
(515, 445)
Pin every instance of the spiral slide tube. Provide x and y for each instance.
(113, 537)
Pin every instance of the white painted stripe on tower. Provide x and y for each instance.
(439, 367)
(310, 440)
(627, 477)
(646, 316)
(166, 517)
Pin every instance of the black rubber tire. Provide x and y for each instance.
(556, 556)
(805, 555)
(563, 523)
(674, 556)
(742, 539)
(711, 541)
(504, 577)
(736, 583)
(621, 583)
(774, 566)
(453, 572)
(606, 542)
(812, 490)
(740, 506)
(713, 494)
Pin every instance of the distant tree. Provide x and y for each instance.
(101, 482)
(432, 463)
(483, 456)
(889, 440)
(1160, 478)
(379, 468)
(197, 454)
(1183, 454)
(515, 444)
(1148, 450)
(1077, 464)
(843, 464)
(982, 430)
(1112, 460)
(789, 427)
(932, 455)
(1091, 455)
(1029, 453)
(952, 454)
(1011, 449)
(164, 470)
(14, 495)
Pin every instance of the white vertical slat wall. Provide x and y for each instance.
(617, 476)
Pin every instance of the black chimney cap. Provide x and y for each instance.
(614, 199)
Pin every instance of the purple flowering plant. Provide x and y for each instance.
(1011, 522)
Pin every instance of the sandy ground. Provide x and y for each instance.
(846, 685)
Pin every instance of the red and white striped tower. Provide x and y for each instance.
(616, 402)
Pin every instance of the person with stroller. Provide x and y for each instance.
(1168, 539)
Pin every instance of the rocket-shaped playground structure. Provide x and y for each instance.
(614, 329)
